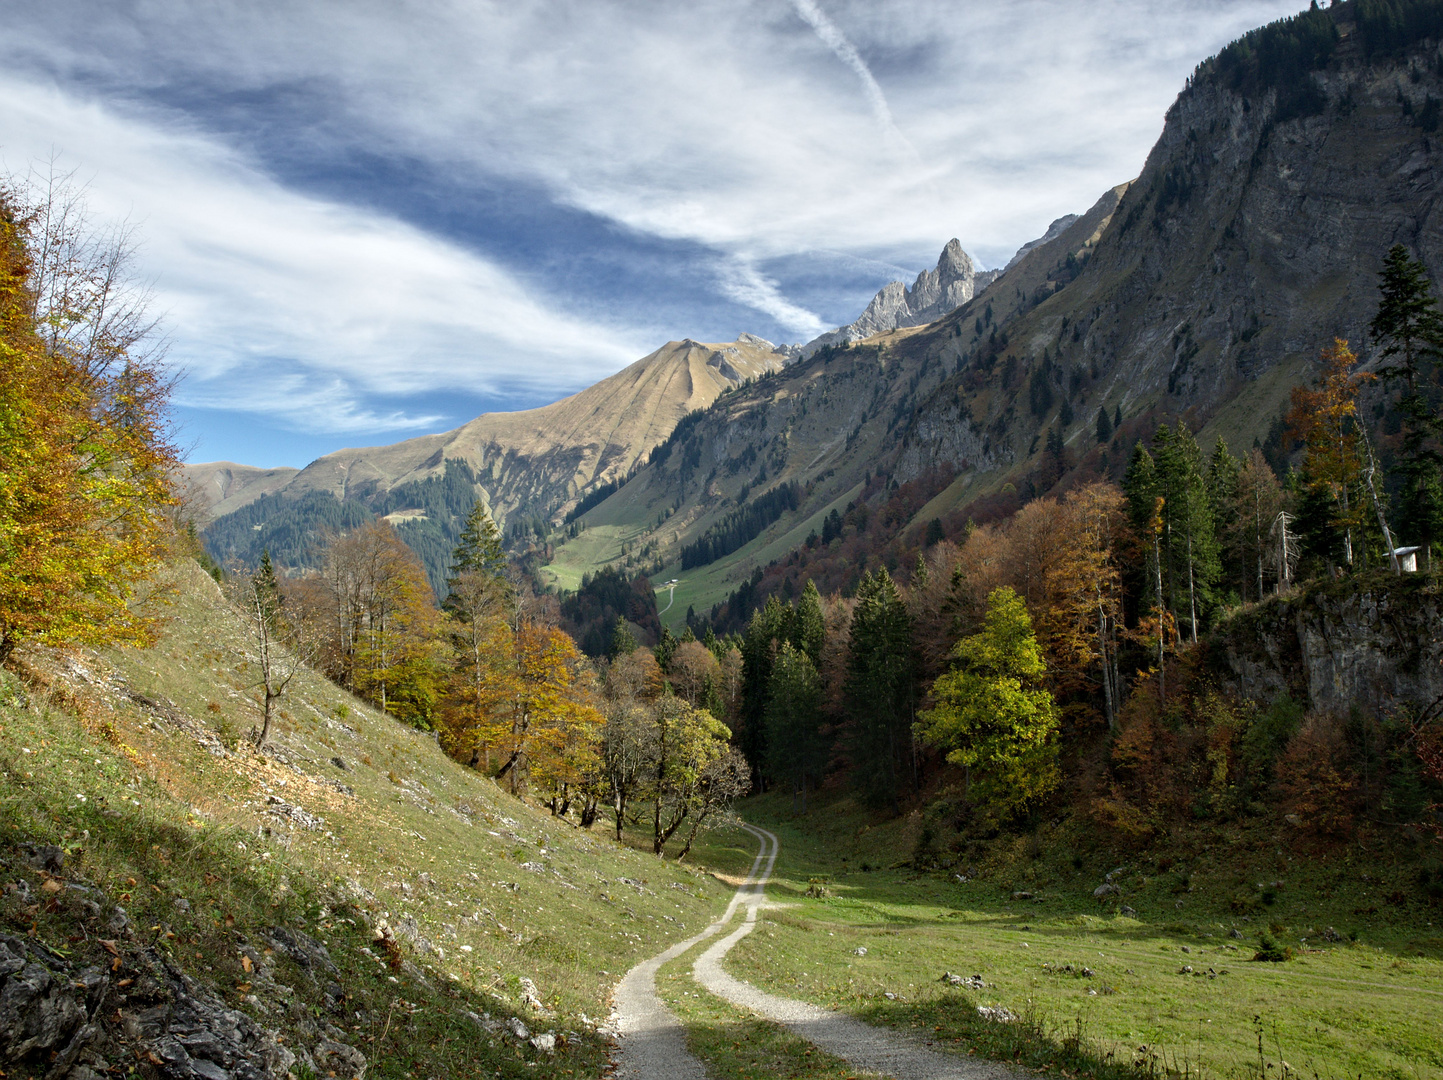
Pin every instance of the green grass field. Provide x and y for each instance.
(1166, 988)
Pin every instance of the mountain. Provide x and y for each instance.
(224, 482)
(1204, 290)
(528, 467)
(748, 481)
(536, 461)
(936, 292)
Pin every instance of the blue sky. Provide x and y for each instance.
(368, 220)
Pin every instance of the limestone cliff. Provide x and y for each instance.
(1376, 645)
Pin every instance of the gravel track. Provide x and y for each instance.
(653, 1041)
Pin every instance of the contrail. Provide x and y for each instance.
(847, 53)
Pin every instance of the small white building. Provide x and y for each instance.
(1408, 558)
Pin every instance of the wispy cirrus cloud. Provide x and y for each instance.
(511, 200)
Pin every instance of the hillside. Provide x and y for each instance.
(351, 903)
(1203, 290)
(534, 461)
(527, 467)
(830, 425)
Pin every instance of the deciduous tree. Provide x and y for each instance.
(992, 714)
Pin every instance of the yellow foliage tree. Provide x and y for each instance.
(84, 461)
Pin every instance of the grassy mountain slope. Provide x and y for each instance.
(128, 762)
(539, 460)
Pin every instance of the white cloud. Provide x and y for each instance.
(720, 123)
(292, 306)
(743, 282)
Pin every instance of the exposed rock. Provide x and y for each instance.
(46, 857)
(1336, 646)
(1105, 890)
(935, 293)
(997, 1014)
(305, 950)
(38, 1007)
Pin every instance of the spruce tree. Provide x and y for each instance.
(479, 548)
(1409, 322)
(1104, 425)
(793, 721)
(809, 628)
(879, 689)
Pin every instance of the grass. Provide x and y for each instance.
(1166, 988)
(483, 889)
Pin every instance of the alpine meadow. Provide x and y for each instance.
(1040, 673)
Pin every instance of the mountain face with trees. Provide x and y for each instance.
(1203, 291)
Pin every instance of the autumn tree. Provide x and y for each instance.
(376, 618)
(540, 697)
(695, 672)
(479, 601)
(685, 743)
(85, 457)
(1083, 612)
(1324, 419)
(993, 716)
(1256, 501)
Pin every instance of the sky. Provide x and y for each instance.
(364, 220)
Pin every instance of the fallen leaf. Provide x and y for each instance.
(110, 947)
(50, 885)
(246, 965)
(125, 982)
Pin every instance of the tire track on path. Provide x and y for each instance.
(866, 1048)
(653, 1041)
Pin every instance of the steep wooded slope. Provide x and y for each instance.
(1205, 289)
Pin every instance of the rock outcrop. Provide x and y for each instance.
(935, 293)
(1334, 646)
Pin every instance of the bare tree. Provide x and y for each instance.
(281, 648)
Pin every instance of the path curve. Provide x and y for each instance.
(653, 1043)
(651, 1040)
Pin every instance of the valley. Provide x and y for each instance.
(1041, 674)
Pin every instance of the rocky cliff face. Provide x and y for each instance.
(1253, 236)
(1335, 646)
(935, 293)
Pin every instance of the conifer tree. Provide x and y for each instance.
(794, 741)
(1409, 322)
(1104, 425)
(809, 627)
(879, 689)
(764, 634)
(479, 548)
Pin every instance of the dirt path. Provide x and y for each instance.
(654, 1042)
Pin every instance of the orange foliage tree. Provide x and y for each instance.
(540, 707)
(372, 610)
(84, 455)
(1325, 419)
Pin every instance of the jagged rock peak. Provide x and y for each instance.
(934, 294)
